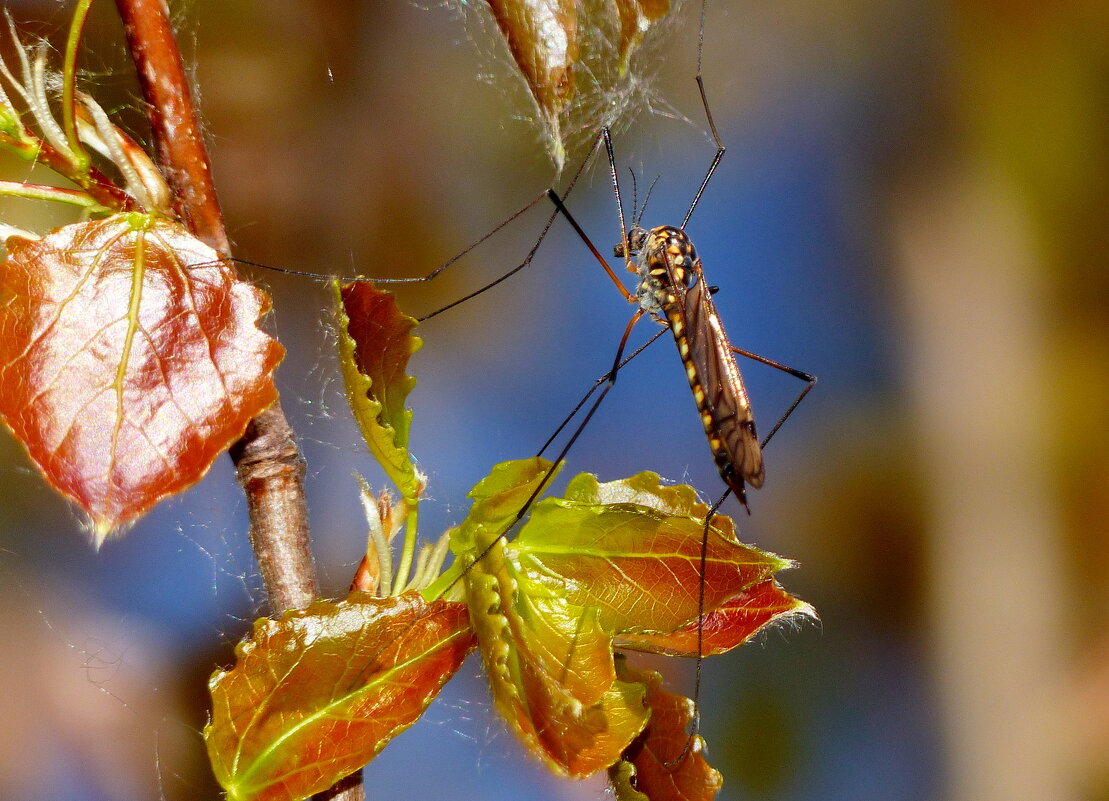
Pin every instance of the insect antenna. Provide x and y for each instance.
(646, 200)
(631, 174)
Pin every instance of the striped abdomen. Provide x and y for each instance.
(674, 280)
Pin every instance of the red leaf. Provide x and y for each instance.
(663, 764)
(129, 359)
(632, 549)
(729, 625)
(375, 343)
(611, 563)
(317, 694)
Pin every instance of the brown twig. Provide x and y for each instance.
(268, 461)
(182, 155)
(269, 464)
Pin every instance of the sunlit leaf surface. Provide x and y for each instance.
(632, 548)
(315, 695)
(129, 359)
(732, 623)
(549, 666)
(663, 764)
(375, 343)
(613, 563)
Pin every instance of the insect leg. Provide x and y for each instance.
(696, 726)
(798, 374)
(720, 148)
(457, 257)
(531, 253)
(560, 206)
(539, 489)
(527, 260)
(542, 485)
(596, 385)
(362, 279)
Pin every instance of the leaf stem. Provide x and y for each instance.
(173, 119)
(405, 568)
(74, 197)
(447, 579)
(269, 463)
(94, 182)
(69, 84)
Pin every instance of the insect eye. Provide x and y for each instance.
(636, 239)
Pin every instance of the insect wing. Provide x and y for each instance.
(717, 384)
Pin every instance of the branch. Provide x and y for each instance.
(269, 464)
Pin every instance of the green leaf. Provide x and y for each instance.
(632, 549)
(612, 563)
(375, 343)
(549, 663)
(317, 694)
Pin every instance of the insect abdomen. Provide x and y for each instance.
(736, 453)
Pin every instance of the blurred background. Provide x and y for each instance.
(912, 207)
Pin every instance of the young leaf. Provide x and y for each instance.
(616, 562)
(549, 663)
(631, 549)
(130, 358)
(375, 343)
(730, 624)
(662, 764)
(317, 694)
(575, 61)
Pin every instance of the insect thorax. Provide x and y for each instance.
(665, 257)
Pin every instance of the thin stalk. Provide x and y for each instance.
(69, 83)
(400, 581)
(268, 461)
(74, 197)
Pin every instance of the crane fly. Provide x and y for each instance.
(672, 284)
(672, 289)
